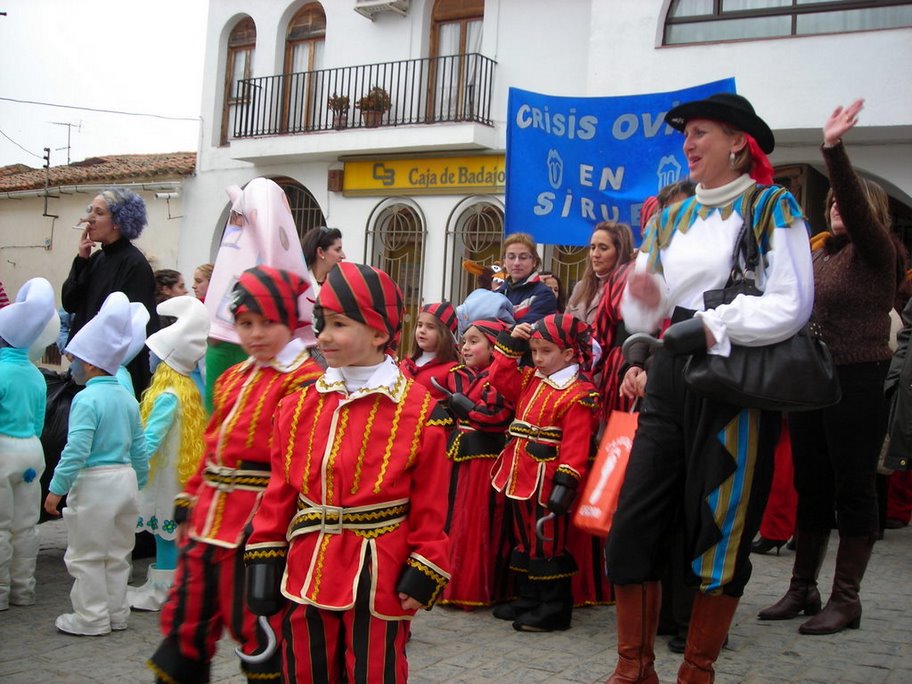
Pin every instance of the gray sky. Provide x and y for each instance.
(124, 55)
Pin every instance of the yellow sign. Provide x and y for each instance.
(426, 176)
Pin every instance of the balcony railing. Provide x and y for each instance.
(421, 91)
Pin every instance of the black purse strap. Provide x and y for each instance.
(746, 244)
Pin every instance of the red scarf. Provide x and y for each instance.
(762, 170)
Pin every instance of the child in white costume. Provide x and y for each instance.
(175, 421)
(101, 468)
(23, 394)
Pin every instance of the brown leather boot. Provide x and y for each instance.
(844, 607)
(709, 622)
(637, 610)
(802, 594)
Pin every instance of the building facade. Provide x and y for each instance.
(386, 118)
(39, 208)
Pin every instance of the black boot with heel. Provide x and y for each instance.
(802, 595)
(763, 545)
(844, 607)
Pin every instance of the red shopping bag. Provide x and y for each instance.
(596, 508)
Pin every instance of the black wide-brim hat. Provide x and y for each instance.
(728, 108)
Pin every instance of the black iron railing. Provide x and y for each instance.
(430, 90)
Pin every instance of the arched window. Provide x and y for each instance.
(238, 66)
(456, 32)
(709, 21)
(567, 262)
(476, 235)
(395, 244)
(303, 54)
(304, 207)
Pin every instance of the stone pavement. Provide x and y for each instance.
(454, 646)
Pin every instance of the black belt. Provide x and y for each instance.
(368, 521)
(524, 430)
(681, 314)
(249, 475)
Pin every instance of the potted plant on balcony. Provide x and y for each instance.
(373, 106)
(339, 104)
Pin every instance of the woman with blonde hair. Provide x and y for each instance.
(712, 458)
(201, 277)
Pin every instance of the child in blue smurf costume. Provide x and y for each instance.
(22, 403)
(101, 469)
(175, 421)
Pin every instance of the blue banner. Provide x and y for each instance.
(575, 161)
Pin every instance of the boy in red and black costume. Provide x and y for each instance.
(351, 527)
(545, 460)
(220, 500)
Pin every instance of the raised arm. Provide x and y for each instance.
(869, 236)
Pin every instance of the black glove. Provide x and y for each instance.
(460, 405)
(562, 496)
(263, 581)
(686, 337)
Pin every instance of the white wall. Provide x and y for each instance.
(572, 47)
(206, 207)
(793, 83)
(23, 231)
(532, 52)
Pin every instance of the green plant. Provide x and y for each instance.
(338, 103)
(376, 100)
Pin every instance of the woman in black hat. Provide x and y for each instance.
(716, 458)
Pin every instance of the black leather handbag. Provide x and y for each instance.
(796, 374)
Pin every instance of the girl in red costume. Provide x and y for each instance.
(434, 351)
(478, 531)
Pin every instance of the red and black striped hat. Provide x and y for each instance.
(443, 311)
(567, 332)
(489, 327)
(365, 294)
(270, 292)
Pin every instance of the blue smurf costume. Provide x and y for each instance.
(23, 396)
(101, 469)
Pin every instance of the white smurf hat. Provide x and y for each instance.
(48, 335)
(183, 343)
(103, 341)
(139, 318)
(22, 322)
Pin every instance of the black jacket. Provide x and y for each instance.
(898, 388)
(118, 267)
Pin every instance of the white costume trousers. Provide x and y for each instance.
(100, 517)
(21, 466)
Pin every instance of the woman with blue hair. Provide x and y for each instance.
(114, 219)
